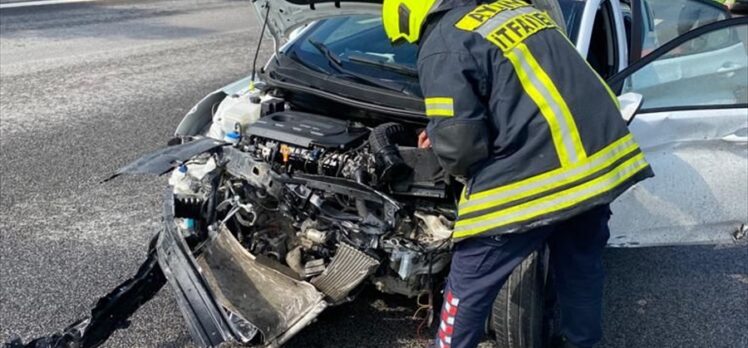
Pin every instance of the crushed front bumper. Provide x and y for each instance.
(208, 324)
(226, 294)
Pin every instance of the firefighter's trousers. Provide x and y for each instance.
(481, 265)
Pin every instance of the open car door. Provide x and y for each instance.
(693, 128)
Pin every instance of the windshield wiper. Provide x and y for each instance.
(337, 64)
(332, 58)
(398, 68)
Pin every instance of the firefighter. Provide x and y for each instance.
(539, 142)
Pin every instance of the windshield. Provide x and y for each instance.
(356, 48)
(359, 46)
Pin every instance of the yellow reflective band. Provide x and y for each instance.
(439, 113)
(552, 203)
(607, 87)
(514, 31)
(606, 152)
(440, 106)
(439, 100)
(543, 92)
(550, 180)
(483, 13)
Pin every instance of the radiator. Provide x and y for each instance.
(347, 270)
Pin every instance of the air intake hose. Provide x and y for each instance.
(384, 140)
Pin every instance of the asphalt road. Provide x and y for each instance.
(85, 88)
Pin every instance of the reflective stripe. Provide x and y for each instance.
(551, 180)
(439, 100)
(605, 84)
(440, 106)
(477, 17)
(543, 92)
(433, 112)
(517, 29)
(501, 18)
(552, 203)
(507, 29)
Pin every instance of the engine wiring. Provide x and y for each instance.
(296, 197)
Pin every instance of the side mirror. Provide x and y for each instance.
(630, 105)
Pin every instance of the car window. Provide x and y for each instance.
(699, 71)
(627, 23)
(602, 54)
(603, 51)
(664, 20)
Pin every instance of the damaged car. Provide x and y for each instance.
(292, 189)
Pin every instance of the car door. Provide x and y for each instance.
(693, 128)
(597, 29)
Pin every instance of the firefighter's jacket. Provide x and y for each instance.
(515, 110)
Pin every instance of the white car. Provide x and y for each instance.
(687, 59)
(299, 184)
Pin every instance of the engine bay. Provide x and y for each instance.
(298, 189)
(274, 212)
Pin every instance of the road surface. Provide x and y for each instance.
(85, 88)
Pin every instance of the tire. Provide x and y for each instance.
(519, 318)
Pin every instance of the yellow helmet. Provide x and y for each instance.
(403, 19)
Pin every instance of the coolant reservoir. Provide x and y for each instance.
(185, 178)
(234, 110)
(181, 181)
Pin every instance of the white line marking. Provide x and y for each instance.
(40, 3)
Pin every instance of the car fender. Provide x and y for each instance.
(199, 118)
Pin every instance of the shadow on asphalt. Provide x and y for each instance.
(684, 296)
(373, 319)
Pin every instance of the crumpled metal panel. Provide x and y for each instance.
(207, 323)
(269, 299)
(699, 193)
(163, 160)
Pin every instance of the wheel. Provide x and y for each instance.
(520, 315)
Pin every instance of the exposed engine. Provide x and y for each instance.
(329, 201)
(308, 143)
(272, 215)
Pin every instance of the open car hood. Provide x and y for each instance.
(286, 15)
